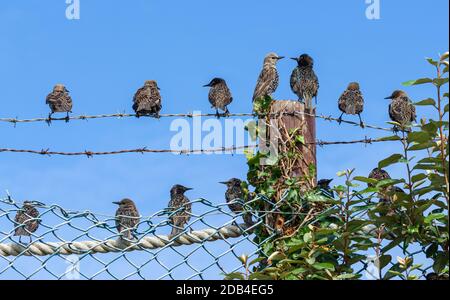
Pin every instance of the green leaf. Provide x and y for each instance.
(393, 159)
(324, 266)
(440, 81)
(385, 260)
(417, 82)
(433, 62)
(428, 101)
(346, 276)
(233, 276)
(390, 138)
(418, 137)
(432, 217)
(366, 180)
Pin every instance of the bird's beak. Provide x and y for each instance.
(223, 182)
(294, 58)
(158, 88)
(207, 85)
(188, 189)
(280, 57)
(118, 203)
(390, 97)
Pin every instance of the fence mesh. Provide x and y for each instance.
(84, 245)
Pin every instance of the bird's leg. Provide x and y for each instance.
(217, 113)
(30, 240)
(49, 119)
(157, 116)
(227, 112)
(20, 239)
(67, 118)
(395, 130)
(361, 123)
(340, 119)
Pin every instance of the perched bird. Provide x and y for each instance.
(304, 81)
(219, 95)
(234, 193)
(378, 174)
(27, 221)
(351, 102)
(268, 78)
(324, 186)
(59, 100)
(181, 208)
(401, 109)
(147, 100)
(127, 218)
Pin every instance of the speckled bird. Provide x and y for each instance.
(387, 198)
(59, 100)
(268, 79)
(219, 95)
(351, 102)
(127, 218)
(434, 276)
(147, 100)
(234, 193)
(304, 81)
(181, 208)
(26, 219)
(378, 174)
(401, 109)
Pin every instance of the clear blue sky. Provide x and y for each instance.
(117, 45)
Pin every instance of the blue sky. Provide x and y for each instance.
(107, 54)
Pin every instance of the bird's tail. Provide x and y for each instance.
(308, 102)
(248, 219)
(175, 231)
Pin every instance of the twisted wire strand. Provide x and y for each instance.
(188, 115)
(88, 153)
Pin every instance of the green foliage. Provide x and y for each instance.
(326, 233)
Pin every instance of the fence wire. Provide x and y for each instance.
(86, 245)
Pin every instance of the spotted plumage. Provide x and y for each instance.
(147, 100)
(181, 208)
(59, 100)
(401, 109)
(268, 79)
(127, 218)
(378, 174)
(351, 102)
(304, 81)
(234, 193)
(26, 220)
(219, 95)
(388, 197)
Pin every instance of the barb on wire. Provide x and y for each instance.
(186, 115)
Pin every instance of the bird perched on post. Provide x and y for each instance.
(127, 218)
(351, 102)
(59, 100)
(219, 95)
(27, 221)
(304, 81)
(234, 193)
(268, 78)
(180, 207)
(401, 109)
(147, 100)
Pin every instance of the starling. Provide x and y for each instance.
(378, 174)
(180, 208)
(268, 78)
(26, 219)
(324, 186)
(147, 100)
(234, 193)
(127, 218)
(219, 95)
(351, 102)
(304, 81)
(59, 100)
(401, 109)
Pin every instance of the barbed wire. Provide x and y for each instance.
(188, 115)
(88, 153)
